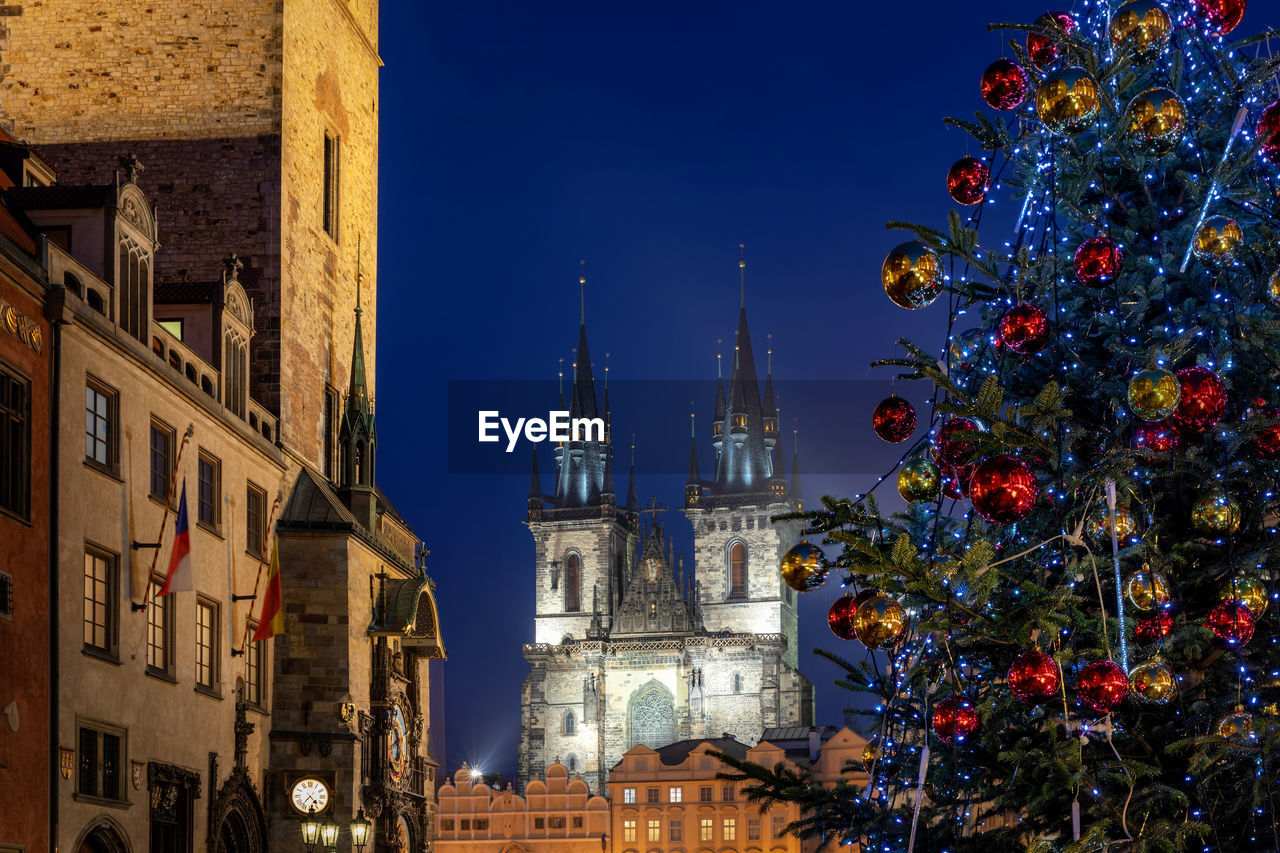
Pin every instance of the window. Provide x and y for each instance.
(208, 491)
(159, 630)
(675, 829)
(738, 570)
(15, 443)
(447, 824)
(677, 795)
(539, 823)
(704, 794)
(651, 795)
(557, 823)
(706, 828)
(173, 327)
(481, 823)
(99, 601)
(255, 520)
(235, 375)
(571, 763)
(779, 826)
(162, 439)
(207, 645)
(628, 795)
(577, 822)
(133, 282)
(753, 829)
(730, 829)
(466, 824)
(737, 683)
(99, 424)
(332, 161)
(655, 829)
(101, 764)
(628, 830)
(726, 793)
(253, 692)
(572, 583)
(569, 723)
(331, 432)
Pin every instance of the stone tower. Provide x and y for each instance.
(257, 124)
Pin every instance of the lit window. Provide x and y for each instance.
(677, 795)
(628, 830)
(706, 828)
(207, 645)
(99, 601)
(655, 830)
(730, 829)
(628, 795)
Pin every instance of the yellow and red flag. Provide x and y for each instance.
(271, 622)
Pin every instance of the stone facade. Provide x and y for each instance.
(556, 815)
(228, 106)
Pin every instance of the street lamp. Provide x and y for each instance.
(310, 830)
(360, 830)
(329, 835)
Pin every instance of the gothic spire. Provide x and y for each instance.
(582, 462)
(357, 436)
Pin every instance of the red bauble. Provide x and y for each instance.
(1024, 328)
(1155, 627)
(1043, 50)
(894, 419)
(1269, 133)
(1231, 622)
(1223, 15)
(951, 448)
(1203, 401)
(1098, 262)
(840, 617)
(954, 719)
(1102, 685)
(1004, 85)
(1034, 677)
(1155, 437)
(955, 480)
(1267, 439)
(1003, 489)
(967, 180)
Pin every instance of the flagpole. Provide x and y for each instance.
(257, 579)
(164, 519)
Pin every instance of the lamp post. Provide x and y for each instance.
(360, 830)
(310, 830)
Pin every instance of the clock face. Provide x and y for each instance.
(309, 793)
(397, 745)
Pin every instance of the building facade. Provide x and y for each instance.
(26, 358)
(630, 647)
(555, 815)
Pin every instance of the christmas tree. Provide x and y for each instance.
(1073, 648)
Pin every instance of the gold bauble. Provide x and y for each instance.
(880, 622)
(1147, 590)
(1272, 289)
(912, 275)
(1099, 527)
(1068, 101)
(919, 480)
(870, 753)
(1217, 240)
(803, 567)
(1154, 121)
(1237, 726)
(1154, 394)
(1249, 591)
(1216, 515)
(1143, 27)
(1153, 682)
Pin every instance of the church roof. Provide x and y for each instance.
(314, 505)
(676, 753)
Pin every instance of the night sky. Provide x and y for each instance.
(649, 140)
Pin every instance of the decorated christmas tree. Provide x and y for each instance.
(1066, 637)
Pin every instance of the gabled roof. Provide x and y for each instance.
(677, 752)
(312, 503)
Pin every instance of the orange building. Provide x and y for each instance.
(556, 815)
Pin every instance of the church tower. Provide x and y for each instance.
(584, 542)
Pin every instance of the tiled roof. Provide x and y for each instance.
(12, 227)
(62, 197)
(677, 752)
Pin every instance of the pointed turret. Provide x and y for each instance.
(744, 464)
(770, 410)
(357, 437)
(582, 461)
(693, 486)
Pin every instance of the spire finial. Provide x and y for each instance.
(560, 375)
(606, 371)
(769, 350)
(742, 275)
(582, 291)
(693, 431)
(359, 276)
(633, 450)
(795, 436)
(719, 367)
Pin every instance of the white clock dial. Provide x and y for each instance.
(308, 794)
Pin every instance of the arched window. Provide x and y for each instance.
(573, 583)
(571, 763)
(134, 287)
(570, 724)
(737, 682)
(235, 375)
(737, 570)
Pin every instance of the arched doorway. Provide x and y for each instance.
(240, 825)
(102, 836)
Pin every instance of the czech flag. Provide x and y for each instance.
(179, 576)
(272, 619)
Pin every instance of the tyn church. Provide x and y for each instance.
(630, 645)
